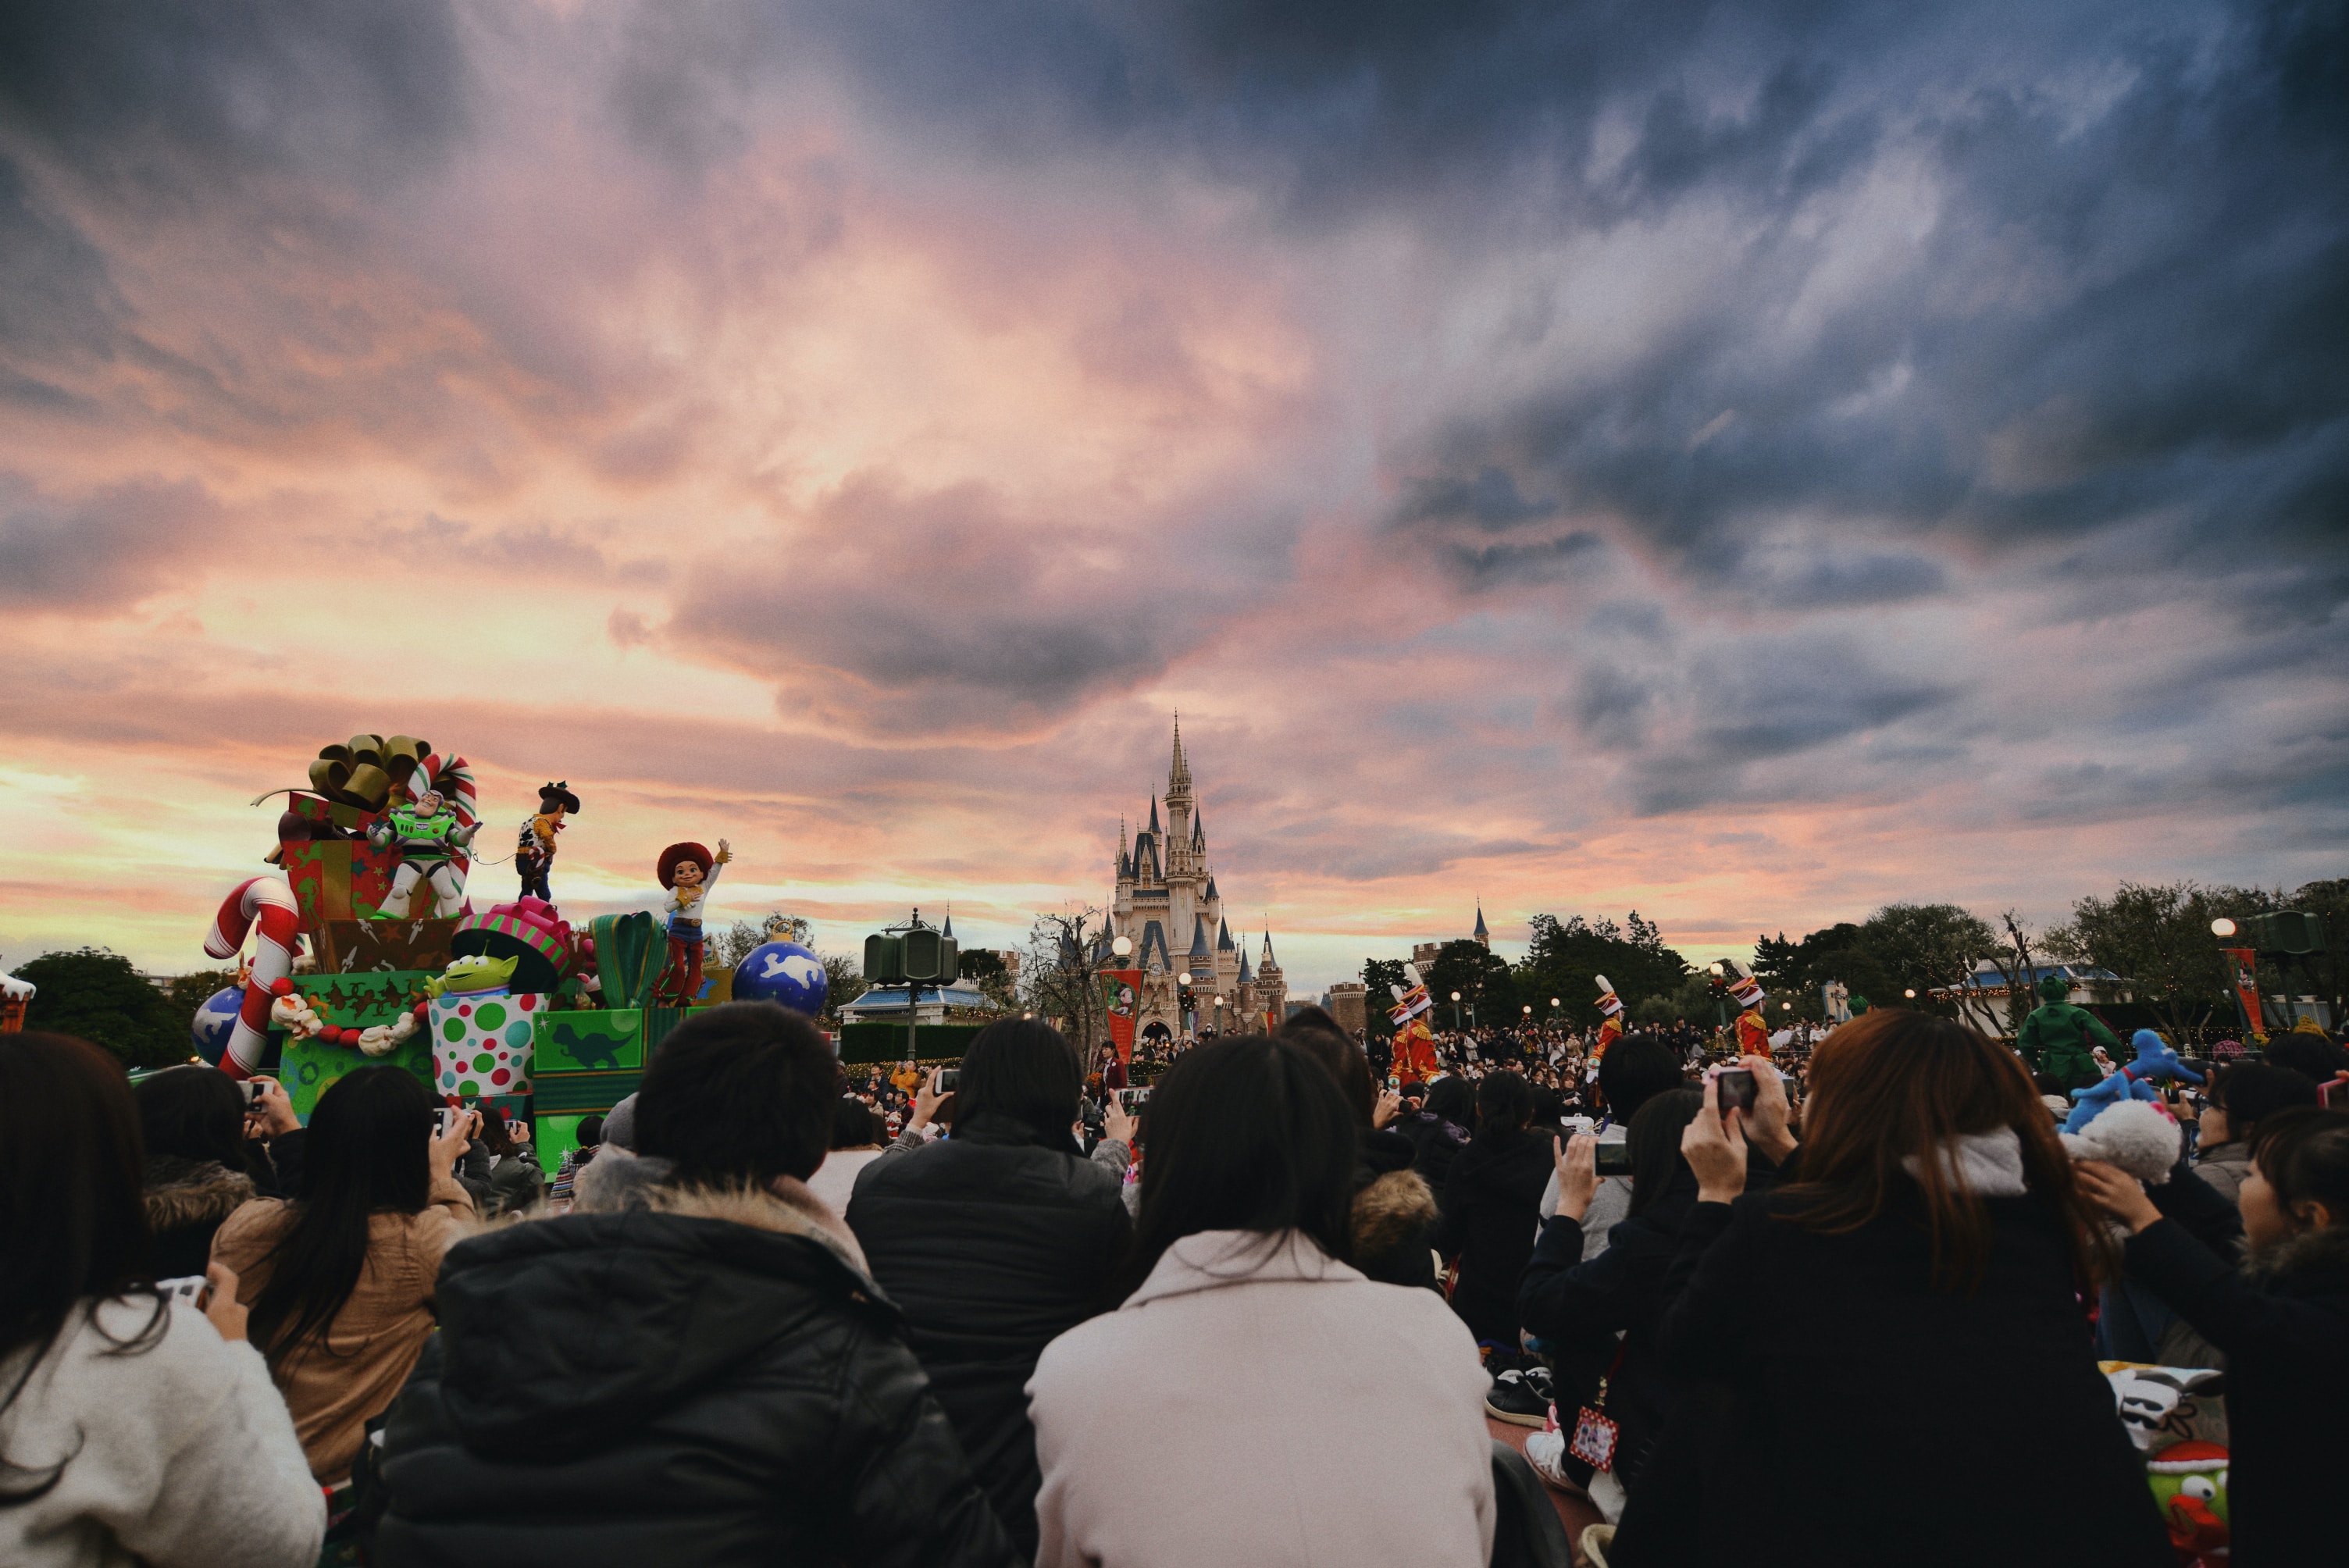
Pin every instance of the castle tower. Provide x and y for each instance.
(1483, 937)
(1271, 986)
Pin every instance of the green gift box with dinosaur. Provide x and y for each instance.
(589, 1042)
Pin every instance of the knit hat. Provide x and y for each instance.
(1609, 1005)
(620, 1125)
(669, 857)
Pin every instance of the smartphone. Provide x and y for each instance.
(1615, 1158)
(1737, 1089)
(950, 1079)
(256, 1094)
(194, 1289)
(443, 1117)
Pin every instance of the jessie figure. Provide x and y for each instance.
(689, 872)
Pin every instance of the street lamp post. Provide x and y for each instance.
(1455, 1012)
(1720, 1008)
(1219, 1015)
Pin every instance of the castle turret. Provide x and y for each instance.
(1483, 937)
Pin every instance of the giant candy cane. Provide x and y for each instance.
(270, 901)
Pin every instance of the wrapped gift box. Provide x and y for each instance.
(481, 1043)
(340, 879)
(354, 1001)
(363, 947)
(584, 1042)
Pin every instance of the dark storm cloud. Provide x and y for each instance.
(360, 89)
(102, 551)
(55, 294)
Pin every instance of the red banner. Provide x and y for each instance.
(2243, 974)
(1121, 993)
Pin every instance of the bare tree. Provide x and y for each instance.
(2015, 967)
(1056, 977)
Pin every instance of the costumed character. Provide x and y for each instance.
(2190, 1484)
(270, 903)
(2059, 1039)
(689, 872)
(1415, 1060)
(2134, 1082)
(1752, 1030)
(15, 995)
(429, 837)
(534, 852)
(1610, 1019)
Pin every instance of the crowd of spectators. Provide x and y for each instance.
(1262, 1305)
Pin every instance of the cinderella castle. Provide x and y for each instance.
(1168, 906)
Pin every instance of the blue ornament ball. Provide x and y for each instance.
(215, 1021)
(782, 972)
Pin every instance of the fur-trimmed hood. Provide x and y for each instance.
(2313, 1263)
(183, 1193)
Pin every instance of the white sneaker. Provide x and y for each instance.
(1545, 1452)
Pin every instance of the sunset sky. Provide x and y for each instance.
(1748, 463)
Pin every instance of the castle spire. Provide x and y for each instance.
(1269, 961)
(1483, 937)
(1178, 777)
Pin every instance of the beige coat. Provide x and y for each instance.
(372, 1346)
(1258, 1406)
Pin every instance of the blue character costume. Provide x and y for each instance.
(427, 836)
(689, 872)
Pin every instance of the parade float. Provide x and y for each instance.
(364, 944)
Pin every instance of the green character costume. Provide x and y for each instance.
(2057, 1037)
(427, 836)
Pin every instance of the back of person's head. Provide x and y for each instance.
(367, 1152)
(494, 1134)
(1549, 1105)
(1636, 1069)
(1897, 1083)
(852, 1124)
(590, 1132)
(738, 1094)
(2312, 1056)
(192, 1113)
(2303, 1154)
(1247, 1133)
(1503, 1106)
(2250, 1092)
(1026, 1070)
(1655, 1144)
(1317, 1034)
(1453, 1099)
(620, 1125)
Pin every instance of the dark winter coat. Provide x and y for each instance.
(712, 1380)
(1435, 1144)
(1491, 1209)
(994, 1245)
(2283, 1322)
(1582, 1306)
(1837, 1408)
(186, 1202)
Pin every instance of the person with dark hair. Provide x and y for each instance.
(1580, 1308)
(1168, 1430)
(500, 1170)
(587, 1137)
(2241, 1098)
(134, 1426)
(2309, 1054)
(201, 1166)
(2281, 1321)
(1439, 1130)
(339, 1278)
(1636, 1069)
(1492, 1208)
(1928, 1234)
(705, 1372)
(1395, 1213)
(997, 1239)
(857, 1137)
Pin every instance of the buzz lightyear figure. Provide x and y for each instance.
(426, 835)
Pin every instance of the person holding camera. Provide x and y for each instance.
(213, 1145)
(339, 1278)
(703, 1373)
(136, 1422)
(997, 1239)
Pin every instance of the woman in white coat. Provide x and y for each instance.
(134, 1427)
(1256, 1399)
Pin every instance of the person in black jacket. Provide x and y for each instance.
(1884, 1356)
(708, 1376)
(1492, 1208)
(1439, 1130)
(1395, 1213)
(2281, 1321)
(997, 1240)
(1580, 1307)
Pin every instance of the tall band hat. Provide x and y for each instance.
(558, 793)
(1610, 1003)
(1744, 989)
(669, 857)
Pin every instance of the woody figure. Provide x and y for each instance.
(689, 872)
(534, 852)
